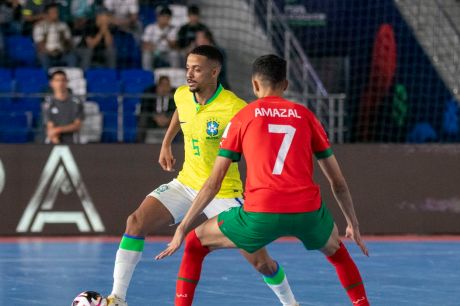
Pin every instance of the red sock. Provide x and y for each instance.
(349, 276)
(190, 270)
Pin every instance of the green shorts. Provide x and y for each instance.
(251, 231)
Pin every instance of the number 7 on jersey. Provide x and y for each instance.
(289, 132)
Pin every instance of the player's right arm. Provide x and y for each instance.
(166, 158)
(339, 186)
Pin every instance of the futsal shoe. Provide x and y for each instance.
(113, 300)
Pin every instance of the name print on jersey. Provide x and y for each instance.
(276, 112)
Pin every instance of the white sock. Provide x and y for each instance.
(279, 284)
(284, 293)
(125, 263)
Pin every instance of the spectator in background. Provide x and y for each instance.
(82, 12)
(32, 13)
(53, 40)
(10, 23)
(97, 43)
(205, 37)
(159, 41)
(156, 112)
(62, 112)
(125, 16)
(187, 33)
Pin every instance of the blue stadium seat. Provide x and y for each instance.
(129, 127)
(30, 81)
(108, 103)
(21, 50)
(147, 14)
(109, 127)
(128, 50)
(6, 87)
(134, 81)
(15, 127)
(101, 74)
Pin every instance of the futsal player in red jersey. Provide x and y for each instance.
(278, 138)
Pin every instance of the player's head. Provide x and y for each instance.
(203, 67)
(269, 75)
(58, 81)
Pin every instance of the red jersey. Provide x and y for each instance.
(278, 138)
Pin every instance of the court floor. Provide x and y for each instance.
(52, 272)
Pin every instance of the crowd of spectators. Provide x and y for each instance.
(83, 34)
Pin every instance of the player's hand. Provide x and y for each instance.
(352, 232)
(166, 159)
(173, 246)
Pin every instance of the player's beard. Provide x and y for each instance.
(194, 90)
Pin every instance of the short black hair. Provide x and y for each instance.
(50, 6)
(193, 10)
(270, 68)
(57, 72)
(210, 52)
(164, 10)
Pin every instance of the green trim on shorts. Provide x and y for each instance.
(252, 231)
(132, 244)
(276, 279)
(324, 154)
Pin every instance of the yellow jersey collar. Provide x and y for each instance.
(213, 97)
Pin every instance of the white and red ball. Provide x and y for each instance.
(89, 298)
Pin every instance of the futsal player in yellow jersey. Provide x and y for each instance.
(204, 109)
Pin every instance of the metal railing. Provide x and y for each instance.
(330, 110)
(301, 73)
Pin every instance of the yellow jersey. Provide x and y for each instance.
(202, 126)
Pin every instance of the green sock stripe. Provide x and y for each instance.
(276, 279)
(132, 244)
(188, 280)
(353, 286)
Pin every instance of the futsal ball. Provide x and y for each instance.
(89, 298)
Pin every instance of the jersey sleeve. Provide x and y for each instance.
(320, 142)
(230, 144)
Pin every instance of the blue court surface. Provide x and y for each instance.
(397, 273)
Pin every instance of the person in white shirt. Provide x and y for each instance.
(53, 40)
(125, 15)
(159, 42)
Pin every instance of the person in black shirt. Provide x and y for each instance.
(97, 43)
(187, 33)
(156, 112)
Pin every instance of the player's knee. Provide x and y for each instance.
(134, 225)
(193, 245)
(265, 266)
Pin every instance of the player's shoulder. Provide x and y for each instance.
(233, 98)
(181, 92)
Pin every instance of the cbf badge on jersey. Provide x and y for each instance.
(212, 128)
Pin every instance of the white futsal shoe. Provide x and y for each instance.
(113, 300)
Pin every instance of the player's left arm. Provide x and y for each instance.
(331, 169)
(207, 193)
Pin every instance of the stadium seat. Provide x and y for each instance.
(105, 94)
(147, 14)
(176, 75)
(180, 16)
(6, 88)
(128, 50)
(134, 81)
(30, 81)
(129, 127)
(422, 132)
(21, 50)
(110, 127)
(101, 74)
(91, 129)
(15, 127)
